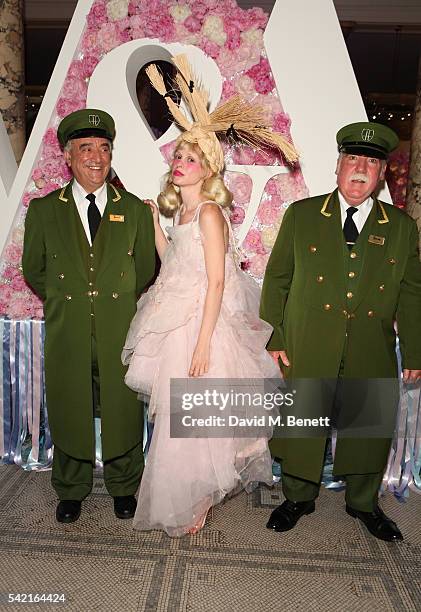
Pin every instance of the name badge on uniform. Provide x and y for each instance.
(118, 218)
(376, 239)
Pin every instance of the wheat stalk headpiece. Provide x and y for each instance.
(233, 118)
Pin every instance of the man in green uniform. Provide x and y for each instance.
(344, 268)
(88, 253)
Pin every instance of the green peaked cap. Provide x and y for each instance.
(86, 122)
(367, 138)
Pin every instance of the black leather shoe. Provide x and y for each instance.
(68, 511)
(378, 524)
(125, 506)
(287, 515)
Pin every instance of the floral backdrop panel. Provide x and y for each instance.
(233, 38)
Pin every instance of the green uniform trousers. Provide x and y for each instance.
(361, 490)
(72, 478)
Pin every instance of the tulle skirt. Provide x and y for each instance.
(184, 477)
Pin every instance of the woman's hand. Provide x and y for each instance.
(200, 360)
(276, 355)
(154, 208)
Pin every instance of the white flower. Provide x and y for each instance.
(180, 12)
(213, 28)
(117, 9)
(254, 37)
(269, 234)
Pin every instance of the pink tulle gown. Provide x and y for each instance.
(184, 477)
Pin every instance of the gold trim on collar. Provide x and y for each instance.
(385, 217)
(61, 195)
(118, 196)
(325, 203)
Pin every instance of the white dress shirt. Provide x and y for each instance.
(79, 195)
(359, 217)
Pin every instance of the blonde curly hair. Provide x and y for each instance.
(213, 188)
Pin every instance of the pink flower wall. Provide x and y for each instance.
(234, 38)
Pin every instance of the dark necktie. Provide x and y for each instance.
(94, 216)
(350, 229)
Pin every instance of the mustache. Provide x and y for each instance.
(359, 176)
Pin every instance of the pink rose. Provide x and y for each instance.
(254, 17)
(268, 213)
(13, 254)
(88, 65)
(75, 70)
(213, 4)
(262, 76)
(109, 37)
(159, 25)
(235, 17)
(6, 292)
(124, 24)
(257, 265)
(125, 34)
(37, 174)
(97, 15)
(210, 48)
(75, 89)
(237, 215)
(27, 197)
(136, 24)
(65, 107)
(241, 186)
(291, 187)
(272, 187)
(19, 284)
(52, 167)
(233, 36)
(181, 33)
(90, 42)
(9, 272)
(50, 152)
(281, 123)
(228, 89)
(18, 307)
(50, 137)
(199, 10)
(134, 7)
(276, 201)
(192, 24)
(253, 242)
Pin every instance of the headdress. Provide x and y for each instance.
(235, 118)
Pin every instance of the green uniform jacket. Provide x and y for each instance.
(329, 305)
(122, 262)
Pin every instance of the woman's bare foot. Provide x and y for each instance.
(198, 524)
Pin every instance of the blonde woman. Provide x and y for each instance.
(199, 319)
